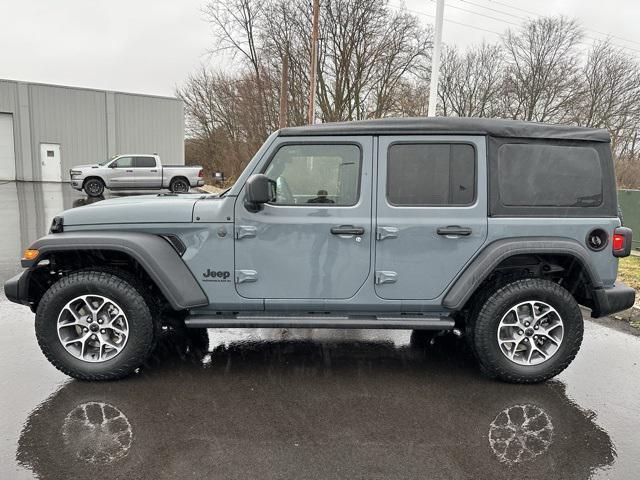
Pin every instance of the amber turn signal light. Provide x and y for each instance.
(30, 254)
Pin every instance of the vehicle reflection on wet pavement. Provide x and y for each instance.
(277, 403)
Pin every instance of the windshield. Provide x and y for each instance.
(104, 162)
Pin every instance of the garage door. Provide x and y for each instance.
(7, 151)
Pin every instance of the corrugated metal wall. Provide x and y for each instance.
(9, 104)
(140, 121)
(75, 119)
(90, 125)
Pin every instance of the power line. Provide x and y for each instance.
(537, 14)
(472, 12)
(481, 14)
(519, 17)
(424, 14)
(533, 13)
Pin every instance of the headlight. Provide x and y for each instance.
(76, 172)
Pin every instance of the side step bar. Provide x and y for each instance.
(365, 322)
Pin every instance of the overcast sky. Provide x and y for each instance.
(149, 46)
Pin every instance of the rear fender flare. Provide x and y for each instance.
(496, 252)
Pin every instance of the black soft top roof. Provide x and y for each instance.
(449, 125)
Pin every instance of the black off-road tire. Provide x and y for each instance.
(93, 187)
(127, 294)
(179, 185)
(493, 362)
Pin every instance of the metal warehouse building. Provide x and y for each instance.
(46, 129)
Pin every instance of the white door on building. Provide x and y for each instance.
(50, 162)
(7, 150)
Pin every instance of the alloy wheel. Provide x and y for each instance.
(93, 328)
(530, 333)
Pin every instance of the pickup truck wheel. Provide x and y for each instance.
(179, 185)
(527, 331)
(94, 187)
(94, 325)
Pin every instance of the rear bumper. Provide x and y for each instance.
(611, 300)
(200, 182)
(16, 288)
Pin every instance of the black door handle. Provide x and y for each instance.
(129, 171)
(347, 230)
(454, 230)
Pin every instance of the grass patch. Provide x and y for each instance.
(629, 271)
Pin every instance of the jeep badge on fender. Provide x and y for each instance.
(211, 275)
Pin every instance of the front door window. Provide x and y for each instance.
(316, 174)
(123, 162)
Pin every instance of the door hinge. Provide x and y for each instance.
(246, 276)
(386, 232)
(386, 276)
(244, 231)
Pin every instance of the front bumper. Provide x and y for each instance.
(16, 288)
(611, 300)
(76, 182)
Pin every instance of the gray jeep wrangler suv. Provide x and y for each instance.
(495, 229)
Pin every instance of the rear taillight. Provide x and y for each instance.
(201, 173)
(621, 242)
(618, 242)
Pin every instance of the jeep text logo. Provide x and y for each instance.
(216, 276)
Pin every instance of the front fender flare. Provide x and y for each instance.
(494, 253)
(154, 254)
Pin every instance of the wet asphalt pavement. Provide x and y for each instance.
(304, 403)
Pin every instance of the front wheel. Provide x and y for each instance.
(95, 325)
(94, 187)
(527, 331)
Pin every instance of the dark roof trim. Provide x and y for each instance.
(451, 125)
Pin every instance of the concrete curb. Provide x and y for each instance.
(631, 315)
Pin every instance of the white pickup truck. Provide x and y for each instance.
(134, 171)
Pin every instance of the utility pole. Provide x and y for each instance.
(435, 60)
(314, 62)
(284, 90)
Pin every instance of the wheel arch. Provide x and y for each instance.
(533, 256)
(154, 255)
(93, 177)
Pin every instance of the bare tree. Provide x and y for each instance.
(235, 25)
(373, 62)
(541, 69)
(471, 81)
(288, 35)
(367, 49)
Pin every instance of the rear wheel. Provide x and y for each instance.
(527, 331)
(95, 325)
(179, 185)
(94, 187)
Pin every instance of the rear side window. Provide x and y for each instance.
(431, 174)
(144, 162)
(549, 176)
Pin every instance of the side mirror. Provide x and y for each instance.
(260, 189)
(113, 164)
